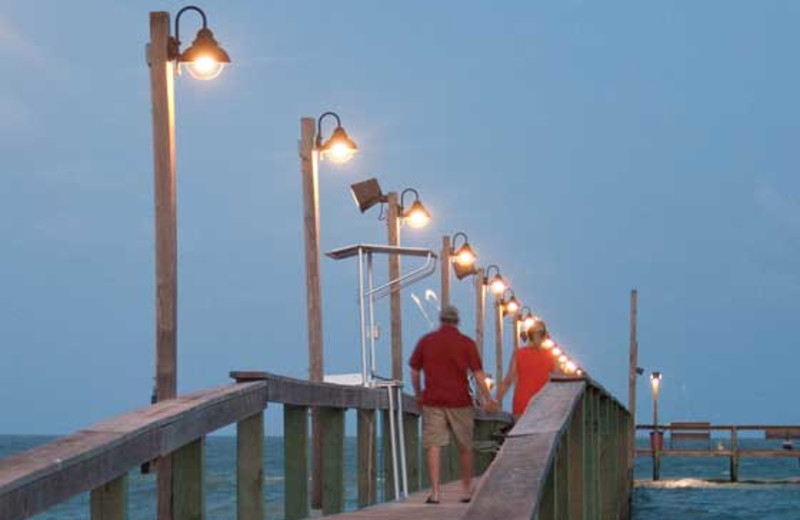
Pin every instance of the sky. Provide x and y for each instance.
(586, 148)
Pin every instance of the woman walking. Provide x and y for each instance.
(530, 368)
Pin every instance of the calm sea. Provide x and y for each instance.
(690, 489)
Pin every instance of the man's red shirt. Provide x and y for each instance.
(445, 356)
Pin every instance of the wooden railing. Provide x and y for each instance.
(98, 459)
(566, 458)
(729, 446)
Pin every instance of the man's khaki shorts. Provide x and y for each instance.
(438, 423)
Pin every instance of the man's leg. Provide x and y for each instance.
(465, 455)
(434, 436)
(462, 422)
(434, 470)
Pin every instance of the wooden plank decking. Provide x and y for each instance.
(415, 508)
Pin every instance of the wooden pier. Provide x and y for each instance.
(564, 459)
(698, 431)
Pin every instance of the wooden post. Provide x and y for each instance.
(445, 261)
(189, 481)
(332, 421)
(498, 342)
(480, 309)
(295, 462)
(110, 501)
(367, 458)
(734, 455)
(310, 183)
(388, 467)
(633, 364)
(656, 440)
(575, 446)
(517, 331)
(411, 434)
(162, 91)
(562, 484)
(395, 307)
(250, 468)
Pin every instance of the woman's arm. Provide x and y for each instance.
(511, 376)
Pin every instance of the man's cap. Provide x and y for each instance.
(449, 313)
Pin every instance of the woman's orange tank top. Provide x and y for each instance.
(533, 371)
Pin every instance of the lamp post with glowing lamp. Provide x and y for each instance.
(205, 60)
(367, 194)
(656, 436)
(313, 147)
(463, 259)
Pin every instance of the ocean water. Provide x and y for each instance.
(694, 488)
(690, 489)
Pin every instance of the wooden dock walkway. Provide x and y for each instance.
(564, 459)
(414, 507)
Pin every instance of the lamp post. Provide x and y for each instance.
(497, 285)
(312, 147)
(204, 59)
(463, 259)
(366, 194)
(656, 437)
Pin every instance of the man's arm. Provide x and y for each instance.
(485, 397)
(415, 382)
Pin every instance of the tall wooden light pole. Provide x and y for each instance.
(445, 267)
(480, 309)
(633, 364)
(395, 307)
(162, 90)
(340, 149)
(204, 59)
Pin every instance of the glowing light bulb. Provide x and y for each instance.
(548, 343)
(205, 68)
(512, 306)
(579, 372)
(465, 258)
(528, 322)
(571, 367)
(556, 351)
(562, 358)
(417, 216)
(497, 285)
(489, 382)
(340, 153)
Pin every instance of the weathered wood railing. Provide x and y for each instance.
(729, 446)
(98, 459)
(564, 459)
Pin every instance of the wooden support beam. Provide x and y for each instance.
(480, 309)
(332, 423)
(445, 271)
(562, 483)
(367, 457)
(734, 456)
(188, 488)
(577, 439)
(250, 468)
(395, 307)
(412, 436)
(110, 501)
(295, 462)
(388, 466)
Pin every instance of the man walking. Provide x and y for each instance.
(446, 357)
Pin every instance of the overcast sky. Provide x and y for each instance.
(585, 147)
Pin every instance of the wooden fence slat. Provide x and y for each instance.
(576, 448)
(110, 501)
(411, 434)
(386, 448)
(188, 482)
(250, 468)
(367, 461)
(295, 462)
(332, 423)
